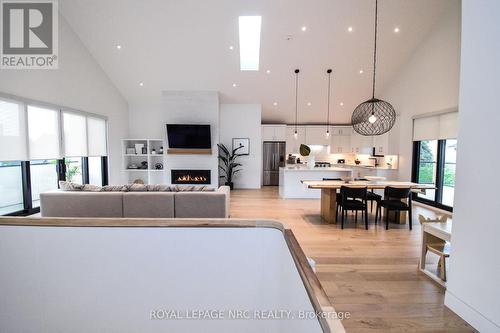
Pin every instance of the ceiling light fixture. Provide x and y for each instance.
(295, 134)
(309, 103)
(329, 72)
(234, 85)
(275, 103)
(268, 71)
(361, 71)
(141, 84)
(350, 29)
(231, 47)
(249, 33)
(341, 103)
(374, 116)
(304, 28)
(119, 47)
(396, 29)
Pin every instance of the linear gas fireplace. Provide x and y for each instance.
(190, 176)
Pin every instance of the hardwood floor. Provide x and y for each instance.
(370, 273)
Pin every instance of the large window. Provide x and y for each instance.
(434, 163)
(41, 144)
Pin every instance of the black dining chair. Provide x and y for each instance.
(353, 199)
(392, 201)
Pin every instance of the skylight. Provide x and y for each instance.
(249, 42)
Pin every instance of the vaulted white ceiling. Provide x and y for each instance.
(184, 45)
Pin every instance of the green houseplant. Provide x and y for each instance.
(229, 166)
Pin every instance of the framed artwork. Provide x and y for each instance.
(242, 142)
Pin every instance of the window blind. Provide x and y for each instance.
(12, 131)
(97, 142)
(43, 133)
(74, 134)
(436, 127)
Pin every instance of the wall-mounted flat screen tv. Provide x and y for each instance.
(189, 136)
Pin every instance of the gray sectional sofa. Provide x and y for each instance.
(183, 204)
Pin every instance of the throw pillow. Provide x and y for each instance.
(91, 188)
(158, 188)
(69, 186)
(137, 188)
(114, 188)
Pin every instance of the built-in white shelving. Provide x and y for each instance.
(151, 156)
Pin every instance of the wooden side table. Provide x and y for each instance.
(441, 230)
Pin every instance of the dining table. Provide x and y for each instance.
(329, 190)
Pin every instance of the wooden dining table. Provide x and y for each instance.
(329, 194)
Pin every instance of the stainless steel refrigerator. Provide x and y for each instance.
(274, 158)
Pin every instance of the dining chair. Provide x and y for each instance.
(353, 199)
(437, 245)
(392, 201)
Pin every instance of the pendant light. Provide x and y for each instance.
(295, 133)
(375, 116)
(329, 72)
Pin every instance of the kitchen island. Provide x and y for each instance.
(291, 177)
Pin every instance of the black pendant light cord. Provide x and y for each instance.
(328, 112)
(296, 97)
(375, 49)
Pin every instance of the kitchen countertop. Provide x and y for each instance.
(364, 166)
(305, 168)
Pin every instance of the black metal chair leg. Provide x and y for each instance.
(371, 206)
(342, 213)
(356, 217)
(376, 214)
(386, 219)
(366, 217)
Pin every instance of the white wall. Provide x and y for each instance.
(181, 107)
(79, 83)
(473, 287)
(427, 83)
(244, 121)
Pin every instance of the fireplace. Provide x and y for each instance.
(190, 176)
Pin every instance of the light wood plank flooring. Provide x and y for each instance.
(372, 274)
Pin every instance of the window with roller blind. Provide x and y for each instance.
(434, 157)
(41, 144)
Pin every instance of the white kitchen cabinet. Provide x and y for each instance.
(316, 135)
(340, 140)
(273, 132)
(361, 144)
(381, 144)
(293, 143)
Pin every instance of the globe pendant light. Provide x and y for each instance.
(375, 116)
(329, 72)
(295, 134)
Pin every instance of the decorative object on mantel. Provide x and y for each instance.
(131, 151)
(161, 150)
(229, 165)
(374, 116)
(144, 165)
(295, 133)
(138, 148)
(153, 152)
(132, 166)
(329, 72)
(244, 143)
(158, 166)
(144, 150)
(305, 151)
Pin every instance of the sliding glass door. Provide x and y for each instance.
(434, 164)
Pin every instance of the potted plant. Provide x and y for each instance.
(305, 151)
(229, 165)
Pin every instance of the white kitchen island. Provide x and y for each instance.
(291, 178)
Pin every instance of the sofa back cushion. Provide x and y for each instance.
(81, 204)
(200, 205)
(148, 204)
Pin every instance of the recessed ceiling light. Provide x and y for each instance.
(275, 103)
(350, 29)
(309, 103)
(361, 71)
(141, 84)
(119, 47)
(268, 71)
(231, 47)
(235, 85)
(249, 33)
(341, 103)
(396, 29)
(304, 28)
